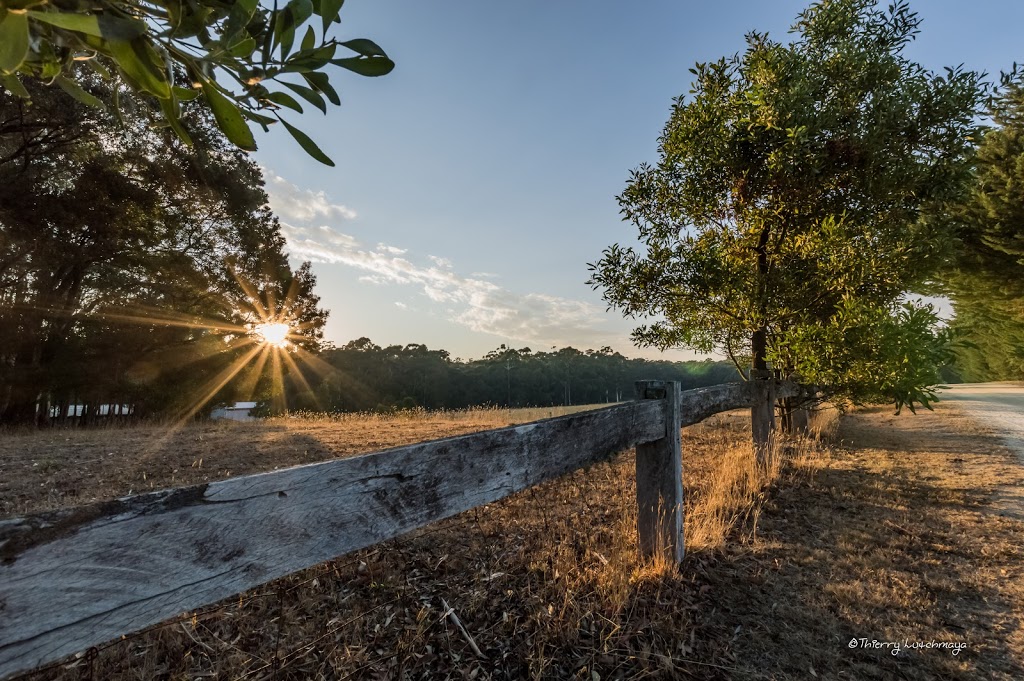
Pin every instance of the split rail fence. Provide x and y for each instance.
(77, 577)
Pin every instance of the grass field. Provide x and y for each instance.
(41, 470)
(887, 530)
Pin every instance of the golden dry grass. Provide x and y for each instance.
(42, 470)
(895, 534)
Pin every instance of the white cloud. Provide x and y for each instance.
(292, 204)
(309, 222)
(470, 301)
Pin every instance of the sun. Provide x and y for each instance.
(274, 334)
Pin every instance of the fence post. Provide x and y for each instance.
(659, 478)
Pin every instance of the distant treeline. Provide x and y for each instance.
(362, 376)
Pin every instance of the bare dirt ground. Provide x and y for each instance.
(891, 535)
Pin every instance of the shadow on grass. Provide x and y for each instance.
(867, 550)
(891, 542)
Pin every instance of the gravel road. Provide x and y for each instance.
(999, 406)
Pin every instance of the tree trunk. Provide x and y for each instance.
(785, 407)
(762, 412)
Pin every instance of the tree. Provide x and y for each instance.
(794, 180)
(148, 295)
(986, 279)
(236, 54)
(366, 376)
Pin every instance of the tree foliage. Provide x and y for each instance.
(986, 279)
(876, 354)
(248, 61)
(790, 203)
(130, 265)
(367, 377)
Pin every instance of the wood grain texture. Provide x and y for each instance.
(659, 478)
(78, 577)
(697, 405)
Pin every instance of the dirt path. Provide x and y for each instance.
(997, 405)
(998, 408)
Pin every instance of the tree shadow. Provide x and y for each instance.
(869, 551)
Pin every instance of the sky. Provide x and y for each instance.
(475, 182)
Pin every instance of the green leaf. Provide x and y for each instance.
(301, 11)
(229, 118)
(307, 144)
(99, 68)
(13, 42)
(116, 28)
(321, 83)
(116, 100)
(271, 33)
(69, 21)
(172, 113)
(14, 86)
(365, 47)
(307, 94)
(258, 118)
(329, 10)
(75, 90)
(366, 66)
(284, 31)
(309, 41)
(248, 5)
(184, 94)
(136, 62)
(101, 26)
(293, 16)
(243, 48)
(237, 20)
(284, 99)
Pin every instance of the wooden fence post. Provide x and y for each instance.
(659, 478)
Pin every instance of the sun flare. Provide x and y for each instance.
(274, 334)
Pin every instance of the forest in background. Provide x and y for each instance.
(362, 376)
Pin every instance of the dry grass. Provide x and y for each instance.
(547, 583)
(42, 470)
(893, 535)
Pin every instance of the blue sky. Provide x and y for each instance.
(475, 182)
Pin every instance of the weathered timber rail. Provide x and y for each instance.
(77, 577)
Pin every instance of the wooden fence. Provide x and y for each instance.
(77, 577)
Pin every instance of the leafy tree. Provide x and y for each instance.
(145, 296)
(876, 354)
(238, 55)
(795, 180)
(986, 280)
(366, 377)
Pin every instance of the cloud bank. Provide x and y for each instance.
(292, 204)
(312, 223)
(471, 301)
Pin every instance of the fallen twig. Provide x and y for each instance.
(450, 614)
